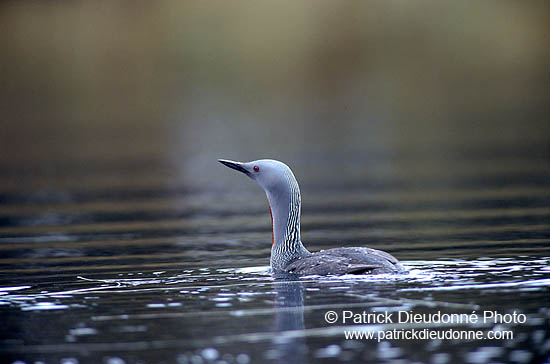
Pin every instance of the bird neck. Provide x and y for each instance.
(285, 205)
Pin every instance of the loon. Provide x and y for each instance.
(288, 254)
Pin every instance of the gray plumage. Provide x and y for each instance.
(339, 261)
(288, 254)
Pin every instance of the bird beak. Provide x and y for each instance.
(238, 166)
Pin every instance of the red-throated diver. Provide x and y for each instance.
(288, 254)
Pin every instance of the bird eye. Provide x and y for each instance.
(256, 169)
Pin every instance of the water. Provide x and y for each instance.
(157, 274)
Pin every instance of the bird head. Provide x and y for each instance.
(270, 174)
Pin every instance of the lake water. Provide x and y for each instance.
(157, 274)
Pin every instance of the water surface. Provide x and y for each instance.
(180, 275)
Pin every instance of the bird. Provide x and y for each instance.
(288, 254)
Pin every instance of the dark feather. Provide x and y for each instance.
(345, 261)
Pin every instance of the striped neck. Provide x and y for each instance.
(285, 204)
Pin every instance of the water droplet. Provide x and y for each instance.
(69, 361)
(156, 305)
(329, 352)
(82, 331)
(114, 360)
(242, 359)
(440, 358)
(209, 354)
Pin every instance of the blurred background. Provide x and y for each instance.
(156, 91)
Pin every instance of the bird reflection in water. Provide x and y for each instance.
(289, 345)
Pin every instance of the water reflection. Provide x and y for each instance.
(288, 345)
